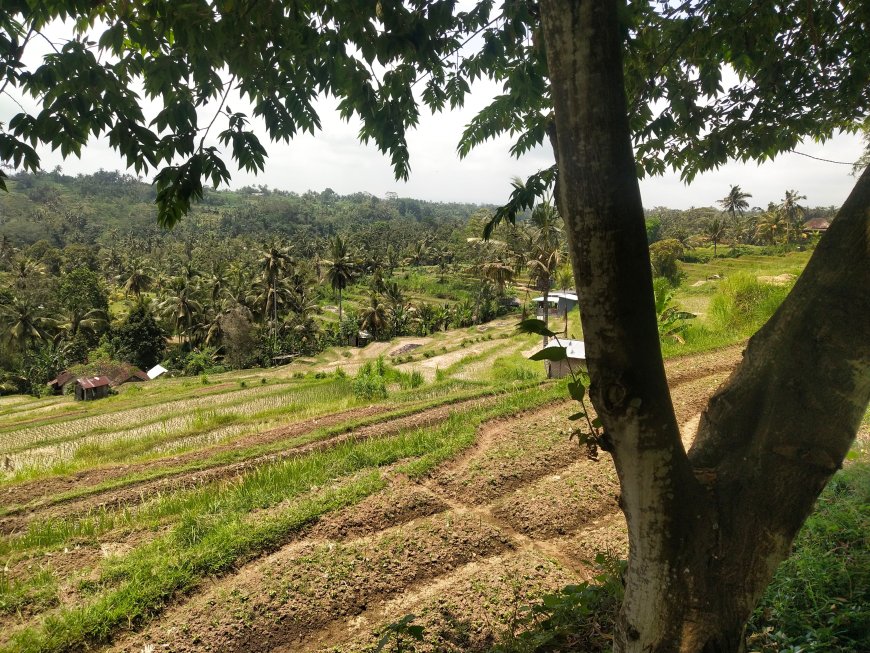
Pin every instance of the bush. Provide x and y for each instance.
(663, 256)
(369, 382)
(411, 381)
(742, 303)
(200, 361)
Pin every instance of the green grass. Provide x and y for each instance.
(36, 592)
(410, 402)
(819, 600)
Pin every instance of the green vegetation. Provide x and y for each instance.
(819, 600)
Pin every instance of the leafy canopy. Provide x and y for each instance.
(801, 69)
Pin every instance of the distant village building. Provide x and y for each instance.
(57, 384)
(117, 374)
(576, 360)
(94, 387)
(561, 303)
(126, 374)
(816, 226)
(361, 339)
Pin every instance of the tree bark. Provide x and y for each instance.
(706, 531)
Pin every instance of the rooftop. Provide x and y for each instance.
(575, 349)
(555, 296)
(93, 382)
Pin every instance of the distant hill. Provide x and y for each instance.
(100, 207)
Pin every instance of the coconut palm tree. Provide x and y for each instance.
(443, 257)
(498, 272)
(216, 282)
(72, 322)
(23, 323)
(373, 317)
(181, 306)
(140, 279)
(419, 254)
(275, 262)
(715, 230)
(734, 203)
(793, 213)
(25, 270)
(771, 226)
(542, 269)
(340, 269)
(545, 251)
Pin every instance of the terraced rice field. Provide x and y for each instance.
(291, 516)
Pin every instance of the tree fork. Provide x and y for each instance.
(600, 200)
(701, 551)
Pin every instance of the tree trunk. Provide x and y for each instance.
(706, 531)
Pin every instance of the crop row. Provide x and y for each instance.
(151, 418)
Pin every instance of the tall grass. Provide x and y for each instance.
(819, 600)
(742, 304)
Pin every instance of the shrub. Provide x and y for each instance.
(663, 256)
(743, 304)
(369, 382)
(411, 381)
(200, 361)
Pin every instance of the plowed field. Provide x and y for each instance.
(313, 534)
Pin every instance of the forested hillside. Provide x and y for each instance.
(256, 277)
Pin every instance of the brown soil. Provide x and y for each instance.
(521, 513)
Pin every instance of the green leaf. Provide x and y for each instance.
(596, 423)
(577, 390)
(536, 326)
(552, 353)
(577, 416)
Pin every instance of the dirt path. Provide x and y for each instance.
(520, 513)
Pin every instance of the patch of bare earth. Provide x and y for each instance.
(277, 602)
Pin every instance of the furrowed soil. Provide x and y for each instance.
(34, 495)
(520, 513)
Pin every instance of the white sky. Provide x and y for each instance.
(334, 158)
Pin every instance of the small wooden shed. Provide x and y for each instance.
(561, 303)
(57, 384)
(126, 374)
(94, 387)
(576, 360)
